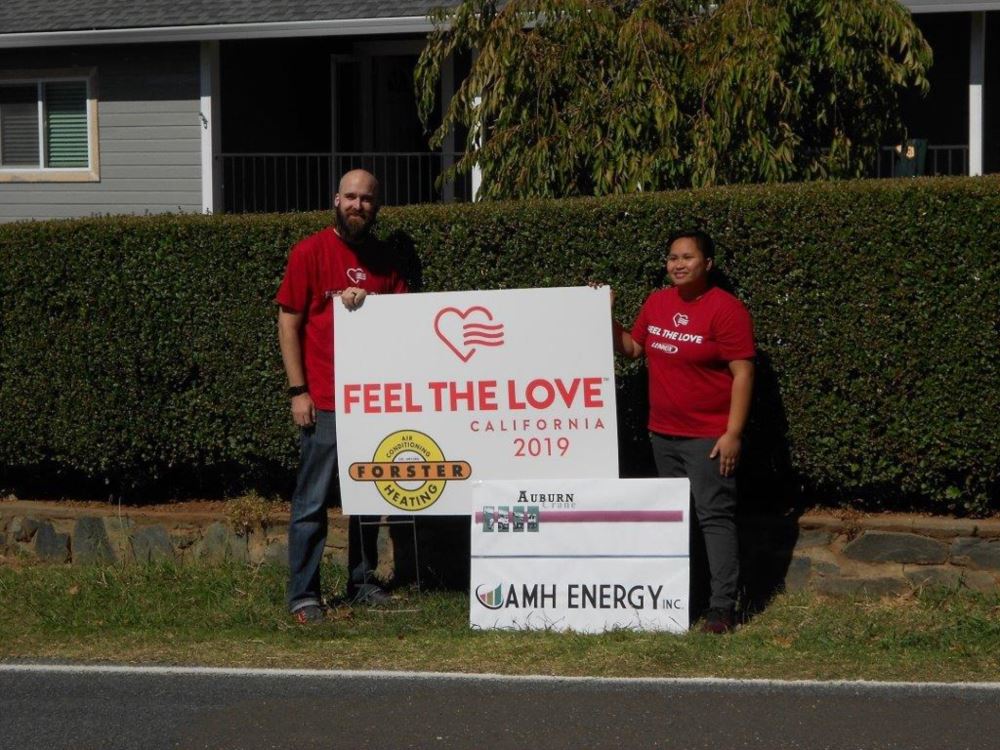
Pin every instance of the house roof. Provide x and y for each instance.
(950, 6)
(39, 23)
(28, 16)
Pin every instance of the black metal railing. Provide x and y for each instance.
(271, 182)
(950, 159)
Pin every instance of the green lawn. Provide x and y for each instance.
(234, 616)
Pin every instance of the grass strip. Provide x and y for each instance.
(235, 615)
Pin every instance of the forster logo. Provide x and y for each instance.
(409, 470)
(463, 331)
(489, 596)
(680, 319)
(356, 275)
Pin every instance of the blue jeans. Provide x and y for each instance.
(307, 526)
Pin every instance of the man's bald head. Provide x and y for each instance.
(356, 205)
(359, 180)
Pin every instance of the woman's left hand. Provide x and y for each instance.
(727, 448)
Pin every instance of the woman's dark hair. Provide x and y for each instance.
(702, 239)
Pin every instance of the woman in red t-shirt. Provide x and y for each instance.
(698, 343)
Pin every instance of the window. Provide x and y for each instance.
(48, 129)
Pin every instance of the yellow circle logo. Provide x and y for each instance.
(409, 470)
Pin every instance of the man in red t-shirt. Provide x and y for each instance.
(341, 262)
(698, 343)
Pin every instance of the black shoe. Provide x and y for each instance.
(718, 620)
(368, 593)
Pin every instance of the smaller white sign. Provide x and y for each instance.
(588, 555)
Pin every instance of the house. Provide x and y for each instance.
(959, 119)
(114, 106)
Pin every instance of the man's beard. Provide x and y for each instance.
(354, 228)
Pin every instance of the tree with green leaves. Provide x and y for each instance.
(581, 97)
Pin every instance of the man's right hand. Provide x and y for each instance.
(303, 410)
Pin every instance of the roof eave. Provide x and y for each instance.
(951, 6)
(333, 27)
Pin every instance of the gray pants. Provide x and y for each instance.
(714, 499)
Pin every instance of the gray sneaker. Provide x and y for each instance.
(310, 614)
(368, 593)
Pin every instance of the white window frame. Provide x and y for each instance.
(39, 78)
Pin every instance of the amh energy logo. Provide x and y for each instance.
(491, 598)
(409, 470)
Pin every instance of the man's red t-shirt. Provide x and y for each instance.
(688, 347)
(319, 268)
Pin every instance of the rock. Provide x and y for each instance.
(3, 540)
(23, 529)
(813, 538)
(797, 575)
(185, 538)
(49, 545)
(826, 568)
(119, 532)
(952, 578)
(277, 553)
(90, 542)
(893, 546)
(152, 544)
(257, 545)
(220, 544)
(872, 587)
(978, 553)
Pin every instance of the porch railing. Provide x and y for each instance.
(266, 183)
(950, 159)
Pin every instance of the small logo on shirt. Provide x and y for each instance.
(680, 319)
(462, 333)
(356, 275)
(668, 348)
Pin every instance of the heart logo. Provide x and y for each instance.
(356, 275)
(680, 319)
(464, 330)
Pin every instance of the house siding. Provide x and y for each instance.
(149, 129)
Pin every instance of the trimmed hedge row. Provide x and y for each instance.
(136, 349)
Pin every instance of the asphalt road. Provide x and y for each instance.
(107, 708)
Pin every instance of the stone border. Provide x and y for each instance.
(876, 555)
(59, 533)
(846, 554)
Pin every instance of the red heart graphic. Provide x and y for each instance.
(461, 343)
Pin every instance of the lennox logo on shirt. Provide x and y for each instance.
(668, 348)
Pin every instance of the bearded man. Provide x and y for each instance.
(341, 262)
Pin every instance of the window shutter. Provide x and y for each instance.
(66, 124)
(19, 126)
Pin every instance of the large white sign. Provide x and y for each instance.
(436, 390)
(589, 555)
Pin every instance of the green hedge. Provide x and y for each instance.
(143, 350)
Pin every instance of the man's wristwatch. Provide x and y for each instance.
(297, 390)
